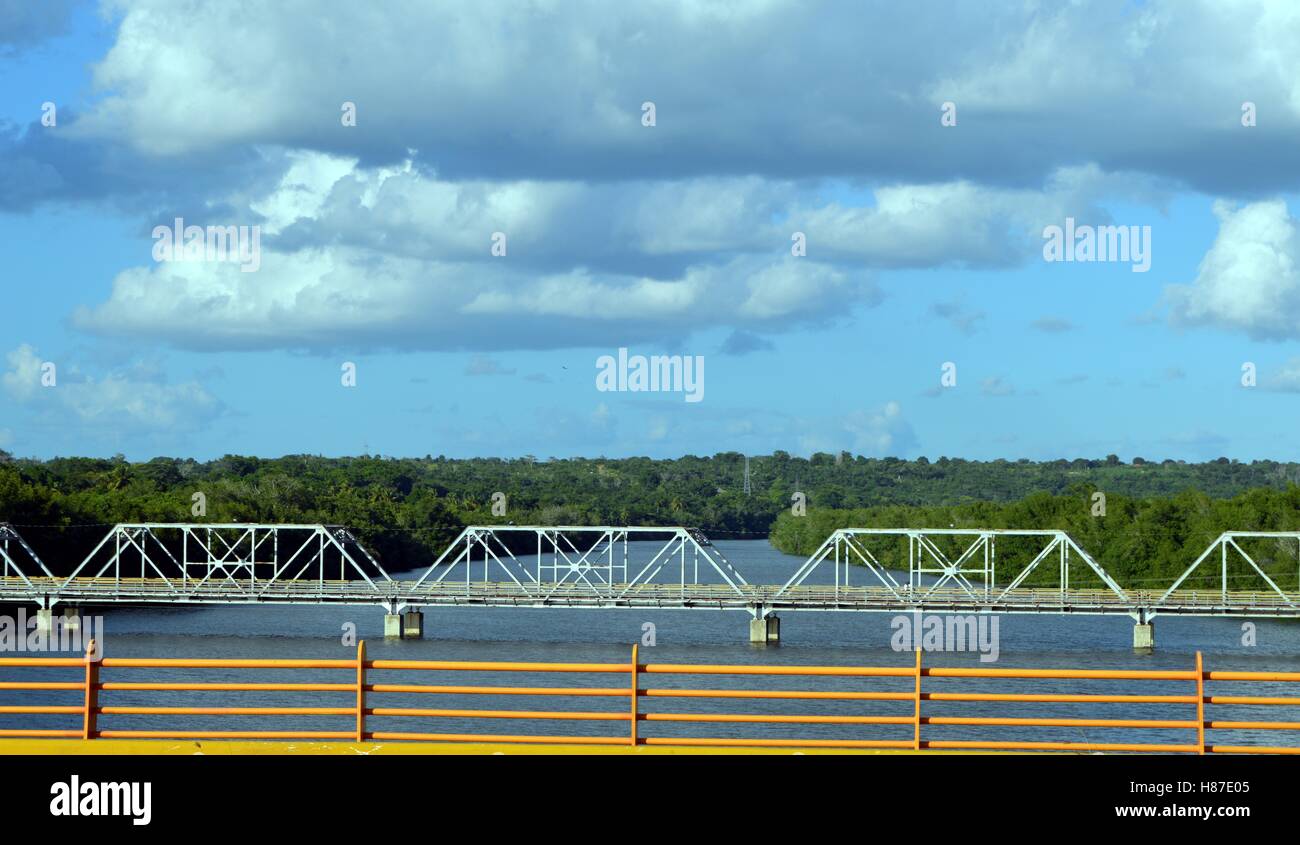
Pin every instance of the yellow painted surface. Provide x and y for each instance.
(245, 747)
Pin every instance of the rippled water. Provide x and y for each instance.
(682, 636)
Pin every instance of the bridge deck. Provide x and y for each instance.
(147, 591)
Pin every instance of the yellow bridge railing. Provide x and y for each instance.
(635, 682)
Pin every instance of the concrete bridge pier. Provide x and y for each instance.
(1144, 632)
(765, 629)
(404, 624)
(45, 621)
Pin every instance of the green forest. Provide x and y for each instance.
(406, 509)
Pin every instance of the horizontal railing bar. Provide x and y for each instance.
(775, 718)
(116, 734)
(1069, 674)
(226, 687)
(1250, 699)
(498, 714)
(777, 743)
(115, 710)
(473, 690)
(1254, 726)
(218, 663)
(1252, 676)
(43, 685)
(1055, 746)
(555, 740)
(39, 733)
(837, 671)
(483, 666)
(1250, 749)
(42, 661)
(1061, 698)
(1057, 723)
(40, 708)
(803, 694)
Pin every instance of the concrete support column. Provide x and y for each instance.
(392, 626)
(765, 630)
(45, 621)
(413, 624)
(71, 620)
(1144, 636)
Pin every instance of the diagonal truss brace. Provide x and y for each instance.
(1222, 543)
(10, 563)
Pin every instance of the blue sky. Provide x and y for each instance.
(924, 241)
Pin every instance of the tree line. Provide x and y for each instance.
(407, 509)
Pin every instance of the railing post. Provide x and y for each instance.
(916, 719)
(91, 701)
(361, 690)
(636, 669)
(1200, 704)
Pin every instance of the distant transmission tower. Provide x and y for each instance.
(748, 490)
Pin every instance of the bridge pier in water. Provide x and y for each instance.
(408, 625)
(1144, 636)
(45, 621)
(765, 629)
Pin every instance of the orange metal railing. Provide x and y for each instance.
(637, 682)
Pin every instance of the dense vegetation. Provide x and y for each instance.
(405, 510)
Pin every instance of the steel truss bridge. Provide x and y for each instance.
(855, 569)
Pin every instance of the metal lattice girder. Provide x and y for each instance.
(595, 559)
(19, 551)
(1228, 540)
(246, 558)
(977, 563)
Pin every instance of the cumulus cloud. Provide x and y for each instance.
(122, 402)
(1286, 379)
(1249, 280)
(876, 432)
(542, 90)
(355, 257)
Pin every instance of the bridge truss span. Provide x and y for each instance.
(225, 563)
(1236, 564)
(948, 560)
(580, 564)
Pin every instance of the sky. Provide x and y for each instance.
(838, 213)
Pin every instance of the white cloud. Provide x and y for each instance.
(1249, 280)
(543, 90)
(119, 402)
(397, 257)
